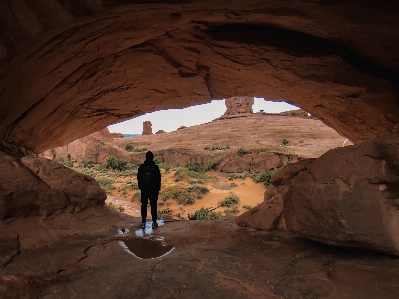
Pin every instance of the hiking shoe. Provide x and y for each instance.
(154, 224)
(143, 225)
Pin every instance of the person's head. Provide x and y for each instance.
(149, 155)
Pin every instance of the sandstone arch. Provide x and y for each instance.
(69, 70)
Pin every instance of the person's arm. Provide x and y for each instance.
(139, 177)
(159, 178)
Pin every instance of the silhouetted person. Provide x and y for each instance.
(149, 180)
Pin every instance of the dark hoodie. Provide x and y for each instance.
(157, 173)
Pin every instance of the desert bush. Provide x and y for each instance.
(242, 152)
(106, 183)
(67, 164)
(192, 167)
(163, 211)
(206, 214)
(116, 164)
(196, 181)
(263, 177)
(178, 192)
(285, 142)
(183, 173)
(129, 147)
(241, 175)
(136, 195)
(208, 166)
(232, 184)
(59, 160)
(248, 207)
(232, 210)
(86, 164)
(200, 189)
(215, 148)
(229, 200)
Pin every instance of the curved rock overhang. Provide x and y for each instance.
(70, 68)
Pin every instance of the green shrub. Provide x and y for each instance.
(233, 184)
(228, 201)
(232, 210)
(67, 164)
(163, 211)
(136, 195)
(241, 175)
(242, 152)
(206, 214)
(86, 164)
(285, 142)
(263, 177)
(215, 148)
(178, 192)
(208, 166)
(59, 160)
(106, 183)
(129, 148)
(192, 167)
(183, 173)
(200, 189)
(69, 157)
(248, 207)
(116, 163)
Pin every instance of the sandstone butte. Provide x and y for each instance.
(70, 68)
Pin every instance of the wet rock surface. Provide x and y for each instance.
(212, 259)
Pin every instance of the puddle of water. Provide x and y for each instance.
(146, 248)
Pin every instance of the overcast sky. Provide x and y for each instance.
(170, 120)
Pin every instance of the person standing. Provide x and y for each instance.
(149, 181)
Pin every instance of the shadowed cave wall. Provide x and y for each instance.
(70, 68)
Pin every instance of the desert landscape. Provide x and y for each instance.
(283, 207)
(214, 145)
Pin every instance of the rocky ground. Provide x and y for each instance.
(210, 259)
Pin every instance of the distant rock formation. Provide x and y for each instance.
(96, 147)
(182, 127)
(160, 132)
(239, 105)
(147, 128)
(117, 135)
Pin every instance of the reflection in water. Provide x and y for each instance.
(145, 246)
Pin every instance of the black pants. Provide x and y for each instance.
(151, 195)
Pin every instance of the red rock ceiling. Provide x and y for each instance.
(70, 68)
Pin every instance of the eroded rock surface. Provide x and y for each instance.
(32, 186)
(96, 147)
(71, 68)
(239, 105)
(346, 197)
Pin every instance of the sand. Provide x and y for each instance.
(249, 193)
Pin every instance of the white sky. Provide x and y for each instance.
(170, 120)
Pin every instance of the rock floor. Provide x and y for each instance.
(211, 259)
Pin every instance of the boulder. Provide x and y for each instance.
(32, 186)
(270, 213)
(347, 197)
(350, 197)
